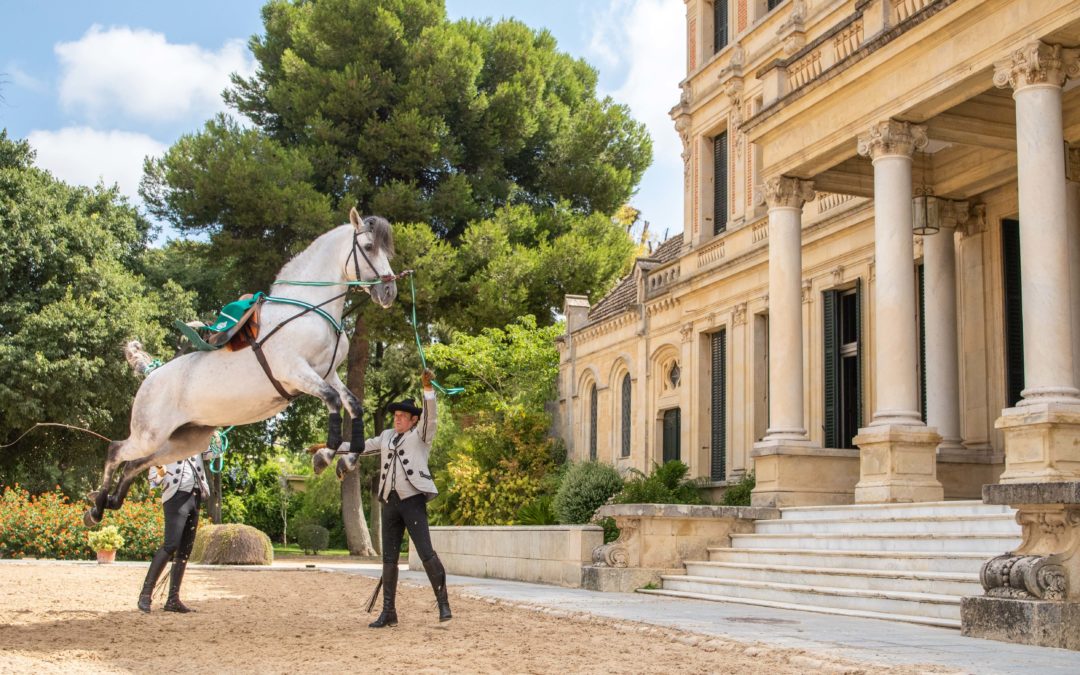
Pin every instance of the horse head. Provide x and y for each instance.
(369, 260)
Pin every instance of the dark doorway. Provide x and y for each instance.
(672, 432)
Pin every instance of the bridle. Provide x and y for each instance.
(358, 251)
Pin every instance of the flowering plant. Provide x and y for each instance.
(106, 539)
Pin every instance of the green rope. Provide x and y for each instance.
(219, 444)
(300, 303)
(327, 283)
(452, 391)
(152, 366)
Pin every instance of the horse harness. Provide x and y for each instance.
(339, 328)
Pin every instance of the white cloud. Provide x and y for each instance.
(20, 78)
(85, 156)
(138, 73)
(648, 39)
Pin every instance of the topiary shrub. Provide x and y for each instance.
(667, 484)
(585, 488)
(313, 538)
(739, 493)
(231, 544)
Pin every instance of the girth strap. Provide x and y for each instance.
(257, 348)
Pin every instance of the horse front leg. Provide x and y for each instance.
(100, 498)
(356, 411)
(309, 382)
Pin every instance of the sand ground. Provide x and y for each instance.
(65, 618)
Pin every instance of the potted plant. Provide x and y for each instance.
(105, 542)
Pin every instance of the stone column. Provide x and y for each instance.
(1072, 216)
(789, 468)
(1042, 434)
(942, 352)
(898, 451)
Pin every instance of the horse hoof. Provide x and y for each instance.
(92, 496)
(89, 519)
(321, 459)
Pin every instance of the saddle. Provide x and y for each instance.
(236, 327)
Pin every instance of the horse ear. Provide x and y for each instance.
(354, 218)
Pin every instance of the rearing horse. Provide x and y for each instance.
(181, 403)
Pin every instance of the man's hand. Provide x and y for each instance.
(426, 377)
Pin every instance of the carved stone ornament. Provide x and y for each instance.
(1072, 163)
(976, 222)
(611, 555)
(807, 288)
(1024, 576)
(686, 332)
(785, 192)
(892, 137)
(682, 126)
(1037, 63)
(738, 314)
(838, 275)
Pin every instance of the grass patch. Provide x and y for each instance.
(292, 550)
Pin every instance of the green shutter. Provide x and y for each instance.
(831, 370)
(718, 400)
(720, 182)
(1014, 310)
(672, 433)
(626, 415)
(592, 423)
(920, 274)
(720, 24)
(859, 352)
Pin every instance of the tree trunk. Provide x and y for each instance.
(357, 535)
(213, 505)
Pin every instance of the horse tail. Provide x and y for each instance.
(137, 358)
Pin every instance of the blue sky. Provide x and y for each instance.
(97, 85)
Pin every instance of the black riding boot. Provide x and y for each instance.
(389, 593)
(173, 604)
(157, 566)
(437, 574)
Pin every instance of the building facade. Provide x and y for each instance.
(876, 295)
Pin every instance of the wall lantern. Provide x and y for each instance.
(925, 207)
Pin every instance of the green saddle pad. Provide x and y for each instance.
(226, 320)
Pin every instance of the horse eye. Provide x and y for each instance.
(369, 247)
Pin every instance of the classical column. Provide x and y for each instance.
(785, 198)
(1042, 434)
(790, 469)
(942, 352)
(1072, 216)
(898, 461)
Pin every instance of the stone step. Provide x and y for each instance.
(904, 603)
(908, 561)
(999, 524)
(988, 543)
(939, 583)
(894, 511)
(927, 621)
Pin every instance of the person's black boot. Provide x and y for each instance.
(157, 566)
(173, 604)
(437, 575)
(389, 593)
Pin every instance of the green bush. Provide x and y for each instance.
(233, 509)
(586, 487)
(667, 484)
(313, 538)
(540, 511)
(739, 493)
(106, 539)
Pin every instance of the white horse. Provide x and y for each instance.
(181, 403)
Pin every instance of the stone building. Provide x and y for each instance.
(876, 295)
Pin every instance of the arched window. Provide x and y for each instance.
(626, 415)
(592, 422)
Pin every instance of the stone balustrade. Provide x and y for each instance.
(656, 539)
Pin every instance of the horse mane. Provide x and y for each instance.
(381, 232)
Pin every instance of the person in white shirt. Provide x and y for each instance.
(183, 486)
(405, 487)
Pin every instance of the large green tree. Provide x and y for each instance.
(71, 294)
(486, 146)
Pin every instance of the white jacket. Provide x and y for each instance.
(170, 476)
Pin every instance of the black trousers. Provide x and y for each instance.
(181, 521)
(409, 514)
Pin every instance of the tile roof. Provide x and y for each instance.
(621, 298)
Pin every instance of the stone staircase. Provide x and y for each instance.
(901, 562)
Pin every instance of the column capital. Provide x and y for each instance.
(1072, 162)
(783, 191)
(892, 137)
(1037, 63)
(954, 214)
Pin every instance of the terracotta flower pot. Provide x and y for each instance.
(104, 557)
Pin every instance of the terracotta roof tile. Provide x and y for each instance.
(621, 298)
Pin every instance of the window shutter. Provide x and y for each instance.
(859, 353)
(718, 469)
(720, 24)
(830, 363)
(773, 4)
(1014, 311)
(626, 415)
(592, 423)
(920, 275)
(720, 182)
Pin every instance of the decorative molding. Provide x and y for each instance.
(872, 276)
(711, 254)
(686, 332)
(892, 137)
(782, 191)
(976, 222)
(954, 214)
(847, 41)
(1037, 63)
(902, 10)
(738, 314)
(807, 291)
(838, 275)
(1041, 567)
(1072, 163)
(760, 231)
(1029, 577)
(661, 306)
(831, 200)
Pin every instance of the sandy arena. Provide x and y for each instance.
(64, 618)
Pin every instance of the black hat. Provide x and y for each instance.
(407, 405)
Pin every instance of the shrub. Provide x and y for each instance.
(539, 511)
(50, 526)
(585, 488)
(106, 539)
(313, 538)
(667, 484)
(231, 545)
(739, 493)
